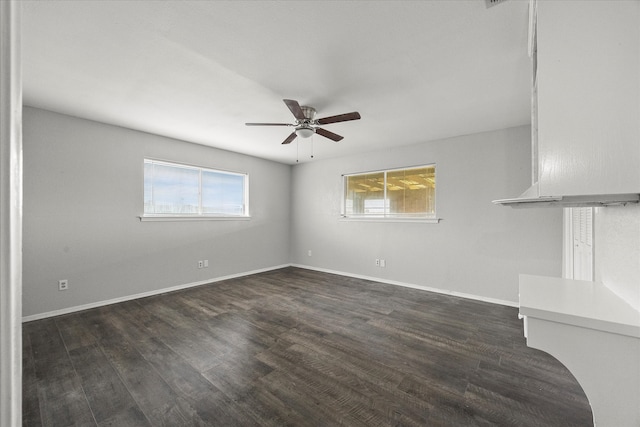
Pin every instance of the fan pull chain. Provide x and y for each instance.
(297, 149)
(312, 138)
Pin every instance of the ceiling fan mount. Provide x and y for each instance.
(308, 112)
(306, 124)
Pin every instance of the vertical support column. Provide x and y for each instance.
(10, 216)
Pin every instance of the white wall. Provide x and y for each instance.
(477, 249)
(83, 188)
(617, 251)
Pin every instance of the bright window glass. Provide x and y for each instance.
(397, 193)
(172, 189)
(222, 193)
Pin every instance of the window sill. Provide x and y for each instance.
(362, 219)
(144, 218)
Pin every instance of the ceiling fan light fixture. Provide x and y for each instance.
(305, 131)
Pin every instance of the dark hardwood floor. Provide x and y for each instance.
(294, 347)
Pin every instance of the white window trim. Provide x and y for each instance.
(162, 217)
(199, 216)
(386, 218)
(389, 219)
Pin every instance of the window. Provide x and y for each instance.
(177, 190)
(397, 193)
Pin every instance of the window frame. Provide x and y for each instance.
(386, 217)
(199, 215)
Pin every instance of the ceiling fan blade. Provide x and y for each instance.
(295, 108)
(290, 138)
(268, 124)
(327, 134)
(339, 118)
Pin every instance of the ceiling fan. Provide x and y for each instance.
(306, 124)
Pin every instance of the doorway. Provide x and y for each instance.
(578, 244)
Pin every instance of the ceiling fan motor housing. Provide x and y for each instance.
(309, 113)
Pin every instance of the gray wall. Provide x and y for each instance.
(82, 198)
(617, 251)
(83, 195)
(477, 249)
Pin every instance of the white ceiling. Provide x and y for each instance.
(198, 70)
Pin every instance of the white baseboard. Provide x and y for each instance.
(145, 294)
(411, 285)
(262, 270)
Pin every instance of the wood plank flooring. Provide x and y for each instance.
(294, 347)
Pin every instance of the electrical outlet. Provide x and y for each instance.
(206, 263)
(63, 285)
(377, 262)
(200, 264)
(309, 253)
(383, 263)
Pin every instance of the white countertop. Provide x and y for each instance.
(576, 302)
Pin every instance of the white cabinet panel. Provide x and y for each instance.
(588, 97)
(595, 334)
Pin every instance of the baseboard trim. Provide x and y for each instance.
(411, 285)
(145, 294)
(262, 270)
